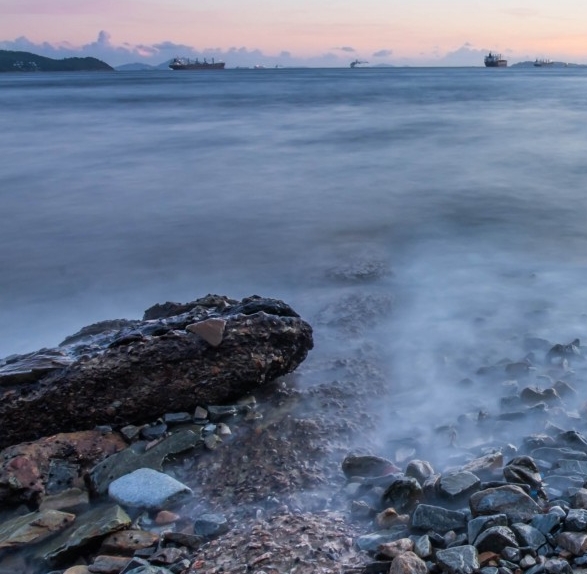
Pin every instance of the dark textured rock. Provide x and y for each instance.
(367, 465)
(576, 520)
(421, 470)
(371, 542)
(477, 525)
(529, 536)
(210, 525)
(137, 378)
(458, 560)
(509, 500)
(495, 539)
(426, 517)
(403, 494)
(456, 485)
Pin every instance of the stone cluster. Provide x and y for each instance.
(268, 485)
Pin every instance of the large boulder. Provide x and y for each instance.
(160, 365)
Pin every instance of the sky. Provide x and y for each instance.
(298, 32)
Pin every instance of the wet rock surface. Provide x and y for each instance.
(298, 479)
(117, 377)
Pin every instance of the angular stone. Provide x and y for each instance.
(408, 563)
(477, 525)
(192, 541)
(126, 542)
(427, 517)
(458, 560)
(367, 465)
(553, 455)
(403, 494)
(529, 536)
(167, 556)
(495, 539)
(32, 528)
(421, 470)
(580, 498)
(557, 566)
(211, 330)
(166, 517)
(176, 418)
(73, 499)
(88, 529)
(574, 542)
(485, 466)
(510, 500)
(570, 467)
(457, 484)
(546, 523)
(371, 542)
(576, 520)
(105, 564)
(395, 548)
(147, 488)
(78, 569)
(210, 525)
(220, 413)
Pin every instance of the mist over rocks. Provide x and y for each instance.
(496, 489)
(137, 373)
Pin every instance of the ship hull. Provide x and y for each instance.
(201, 66)
(493, 60)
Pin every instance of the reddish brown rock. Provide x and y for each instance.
(25, 468)
(408, 563)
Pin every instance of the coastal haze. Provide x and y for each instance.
(442, 210)
(300, 33)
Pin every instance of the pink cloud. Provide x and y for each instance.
(57, 7)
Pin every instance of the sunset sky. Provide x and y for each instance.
(416, 32)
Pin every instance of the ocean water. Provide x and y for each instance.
(466, 187)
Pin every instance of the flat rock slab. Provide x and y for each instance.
(88, 529)
(147, 488)
(32, 528)
(137, 375)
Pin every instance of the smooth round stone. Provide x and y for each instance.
(147, 488)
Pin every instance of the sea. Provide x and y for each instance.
(442, 212)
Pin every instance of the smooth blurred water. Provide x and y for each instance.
(125, 189)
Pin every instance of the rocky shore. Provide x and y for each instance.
(184, 443)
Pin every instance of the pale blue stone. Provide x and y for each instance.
(147, 488)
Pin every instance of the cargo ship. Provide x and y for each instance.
(187, 64)
(495, 61)
(539, 63)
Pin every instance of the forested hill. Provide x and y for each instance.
(28, 62)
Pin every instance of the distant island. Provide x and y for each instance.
(547, 64)
(28, 62)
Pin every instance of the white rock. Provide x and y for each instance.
(211, 330)
(147, 488)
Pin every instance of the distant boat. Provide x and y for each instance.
(187, 64)
(495, 61)
(539, 63)
(357, 63)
